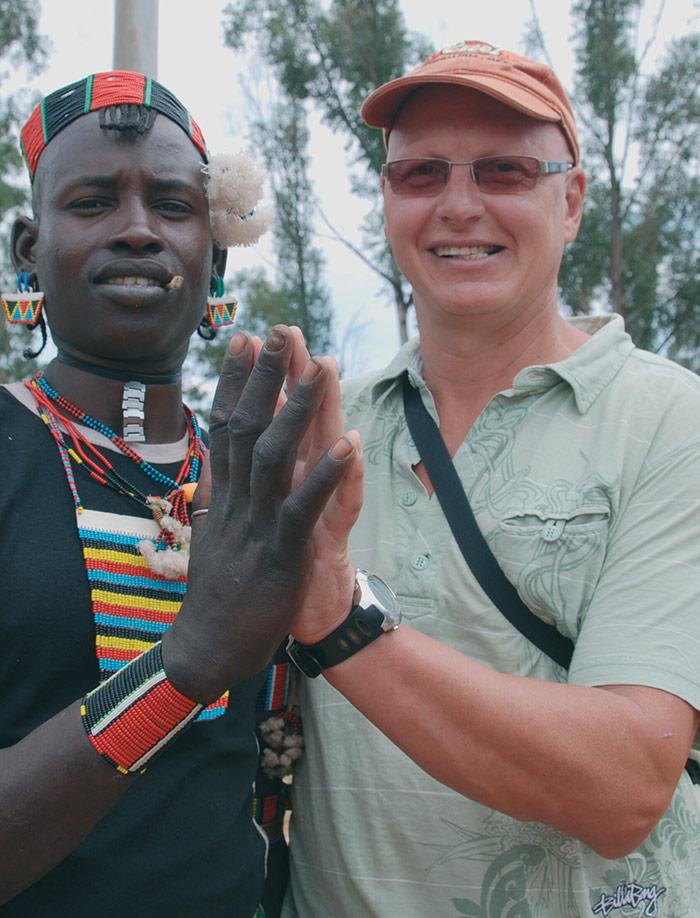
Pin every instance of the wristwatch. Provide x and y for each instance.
(376, 612)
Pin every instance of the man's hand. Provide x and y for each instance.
(329, 596)
(328, 599)
(253, 554)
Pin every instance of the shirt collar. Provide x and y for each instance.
(587, 371)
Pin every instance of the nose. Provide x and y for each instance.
(135, 226)
(461, 199)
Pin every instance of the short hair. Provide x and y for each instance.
(127, 118)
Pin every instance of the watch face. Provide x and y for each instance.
(385, 599)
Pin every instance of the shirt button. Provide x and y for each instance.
(552, 530)
(420, 562)
(408, 498)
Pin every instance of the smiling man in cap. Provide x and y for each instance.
(533, 715)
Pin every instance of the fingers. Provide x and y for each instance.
(321, 434)
(257, 343)
(251, 416)
(343, 506)
(275, 451)
(300, 357)
(304, 506)
(328, 425)
(234, 374)
(255, 436)
(299, 360)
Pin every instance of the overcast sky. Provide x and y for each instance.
(206, 76)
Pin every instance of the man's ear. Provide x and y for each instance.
(575, 197)
(23, 239)
(218, 261)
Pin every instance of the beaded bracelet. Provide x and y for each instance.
(136, 712)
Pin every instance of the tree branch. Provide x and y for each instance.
(346, 242)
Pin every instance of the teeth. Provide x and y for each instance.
(465, 251)
(133, 282)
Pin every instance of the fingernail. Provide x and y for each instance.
(237, 343)
(342, 449)
(311, 370)
(276, 340)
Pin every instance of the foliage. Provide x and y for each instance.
(21, 45)
(638, 252)
(334, 55)
(299, 296)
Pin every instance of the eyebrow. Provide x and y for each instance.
(106, 181)
(172, 184)
(100, 181)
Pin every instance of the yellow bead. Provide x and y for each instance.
(188, 490)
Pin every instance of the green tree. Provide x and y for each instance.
(638, 251)
(299, 295)
(21, 46)
(334, 56)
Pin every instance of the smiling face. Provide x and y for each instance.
(117, 218)
(467, 253)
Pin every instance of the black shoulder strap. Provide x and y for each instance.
(465, 529)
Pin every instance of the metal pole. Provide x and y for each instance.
(136, 36)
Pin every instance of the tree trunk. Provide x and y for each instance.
(401, 313)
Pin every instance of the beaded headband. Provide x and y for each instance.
(234, 182)
(101, 90)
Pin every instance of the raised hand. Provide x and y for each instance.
(328, 598)
(253, 553)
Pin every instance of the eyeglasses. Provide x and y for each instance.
(424, 177)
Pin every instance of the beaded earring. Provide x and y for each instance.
(26, 308)
(221, 310)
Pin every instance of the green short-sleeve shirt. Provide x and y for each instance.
(585, 479)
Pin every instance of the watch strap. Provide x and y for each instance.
(359, 629)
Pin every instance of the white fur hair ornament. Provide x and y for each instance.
(234, 189)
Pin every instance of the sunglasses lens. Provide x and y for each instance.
(506, 174)
(418, 177)
(493, 175)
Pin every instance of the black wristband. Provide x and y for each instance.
(360, 628)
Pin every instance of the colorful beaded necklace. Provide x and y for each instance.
(170, 510)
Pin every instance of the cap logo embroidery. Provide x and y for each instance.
(466, 48)
(473, 47)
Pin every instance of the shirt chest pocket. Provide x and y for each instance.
(554, 559)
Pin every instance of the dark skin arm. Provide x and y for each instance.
(249, 570)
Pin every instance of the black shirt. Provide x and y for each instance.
(181, 842)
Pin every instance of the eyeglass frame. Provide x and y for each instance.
(545, 167)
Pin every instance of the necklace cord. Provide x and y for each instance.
(56, 411)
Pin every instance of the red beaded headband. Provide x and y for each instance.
(101, 90)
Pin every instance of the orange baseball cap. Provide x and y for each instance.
(518, 82)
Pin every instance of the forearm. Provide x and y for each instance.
(55, 785)
(573, 757)
(54, 788)
(62, 778)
